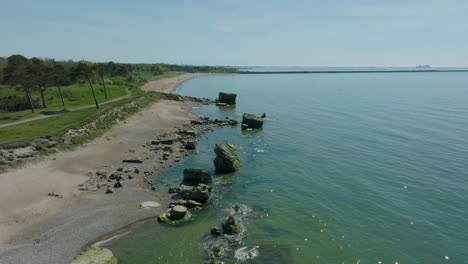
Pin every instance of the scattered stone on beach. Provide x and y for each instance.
(252, 121)
(231, 226)
(175, 215)
(194, 176)
(216, 231)
(166, 141)
(53, 194)
(149, 204)
(133, 160)
(118, 184)
(190, 144)
(109, 190)
(227, 98)
(173, 189)
(199, 193)
(226, 158)
(95, 255)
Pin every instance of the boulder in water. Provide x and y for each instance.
(216, 231)
(251, 121)
(194, 176)
(199, 193)
(231, 226)
(175, 215)
(227, 98)
(226, 158)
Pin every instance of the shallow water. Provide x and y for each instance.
(349, 168)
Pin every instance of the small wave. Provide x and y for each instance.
(259, 150)
(244, 253)
(102, 242)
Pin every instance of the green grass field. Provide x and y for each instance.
(76, 95)
(60, 123)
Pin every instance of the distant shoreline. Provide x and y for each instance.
(357, 71)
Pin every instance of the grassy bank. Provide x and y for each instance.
(75, 96)
(59, 124)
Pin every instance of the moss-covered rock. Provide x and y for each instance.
(231, 226)
(95, 255)
(175, 215)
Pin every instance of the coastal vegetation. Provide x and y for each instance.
(33, 88)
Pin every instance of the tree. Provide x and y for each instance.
(85, 71)
(59, 76)
(101, 72)
(18, 72)
(41, 75)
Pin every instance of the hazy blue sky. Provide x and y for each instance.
(237, 32)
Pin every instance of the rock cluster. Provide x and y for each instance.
(251, 121)
(226, 158)
(103, 178)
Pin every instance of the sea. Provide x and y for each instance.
(348, 168)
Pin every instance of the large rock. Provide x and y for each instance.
(251, 121)
(227, 98)
(200, 193)
(177, 212)
(226, 157)
(175, 215)
(195, 176)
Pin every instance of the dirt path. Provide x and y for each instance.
(37, 228)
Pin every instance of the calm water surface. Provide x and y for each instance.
(349, 168)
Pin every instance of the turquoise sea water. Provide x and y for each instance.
(349, 168)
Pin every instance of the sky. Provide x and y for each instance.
(240, 32)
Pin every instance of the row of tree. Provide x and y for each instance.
(34, 73)
(38, 74)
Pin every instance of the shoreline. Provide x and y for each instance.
(34, 224)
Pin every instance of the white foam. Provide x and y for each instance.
(102, 242)
(244, 253)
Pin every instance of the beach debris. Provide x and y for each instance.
(227, 98)
(149, 204)
(251, 121)
(226, 158)
(175, 215)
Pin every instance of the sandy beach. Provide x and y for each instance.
(38, 228)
